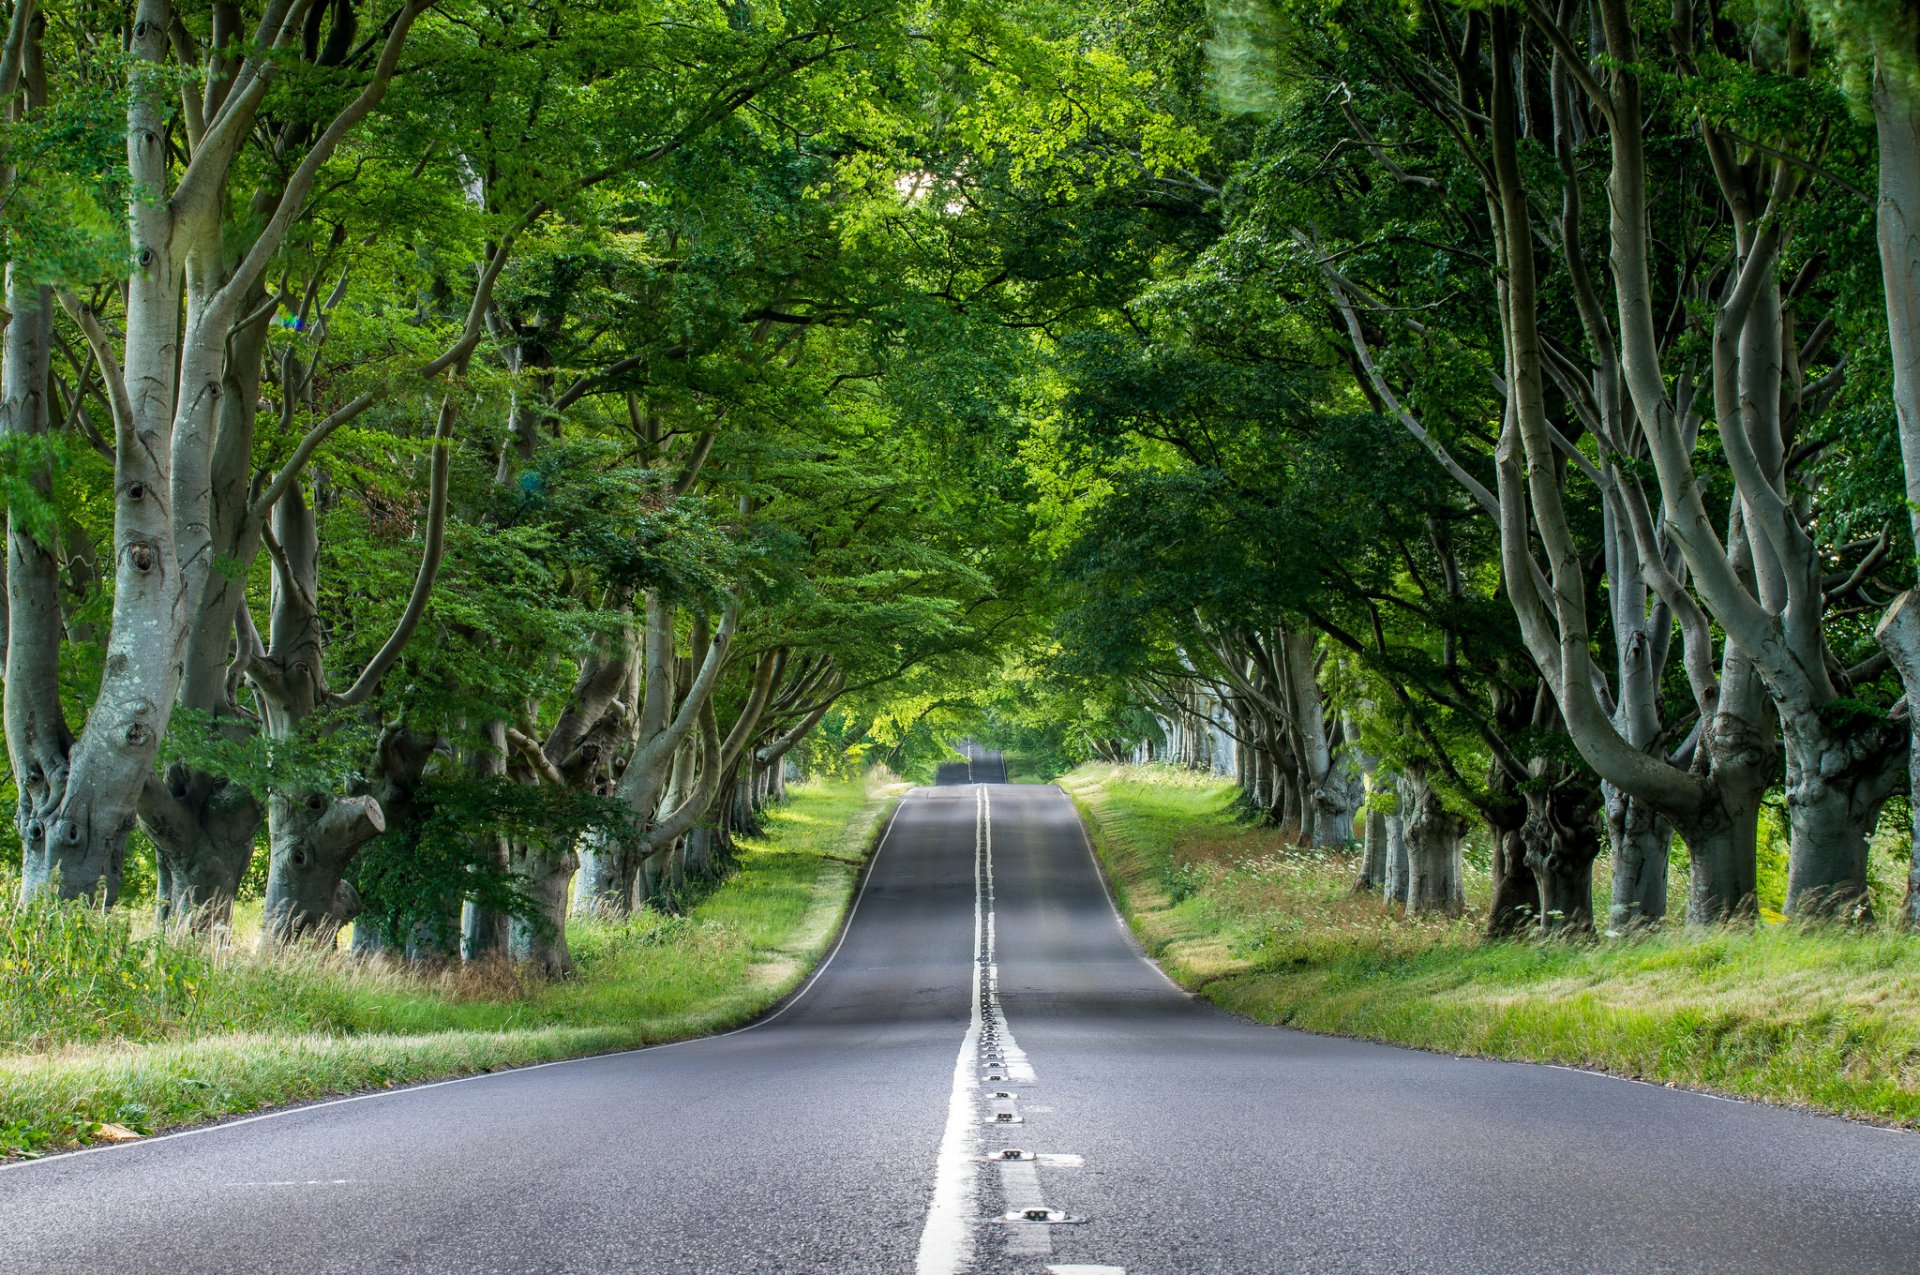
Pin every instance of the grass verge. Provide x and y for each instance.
(1821, 1018)
(105, 1031)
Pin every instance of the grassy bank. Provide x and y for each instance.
(104, 1028)
(1824, 1019)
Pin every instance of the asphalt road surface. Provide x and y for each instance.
(987, 1077)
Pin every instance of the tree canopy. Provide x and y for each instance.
(459, 457)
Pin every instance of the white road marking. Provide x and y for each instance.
(308, 1182)
(946, 1241)
(1019, 1179)
(846, 928)
(1020, 1185)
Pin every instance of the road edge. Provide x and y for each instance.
(880, 814)
(1097, 837)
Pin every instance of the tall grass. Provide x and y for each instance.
(70, 972)
(1825, 1017)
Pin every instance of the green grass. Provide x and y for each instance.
(104, 1024)
(1022, 769)
(1822, 1018)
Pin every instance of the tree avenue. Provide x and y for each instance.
(461, 459)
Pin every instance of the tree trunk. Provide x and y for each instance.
(1640, 839)
(604, 886)
(1899, 635)
(1433, 838)
(482, 929)
(311, 839)
(39, 741)
(746, 815)
(1896, 114)
(1340, 794)
(540, 941)
(308, 843)
(1516, 905)
(203, 831)
(650, 883)
(1837, 780)
(1562, 841)
(1721, 875)
(1399, 874)
(699, 853)
(1373, 856)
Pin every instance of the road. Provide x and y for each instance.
(985, 999)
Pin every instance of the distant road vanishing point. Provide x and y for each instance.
(987, 1076)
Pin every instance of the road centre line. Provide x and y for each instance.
(946, 1241)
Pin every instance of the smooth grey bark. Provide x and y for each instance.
(540, 941)
(695, 780)
(1896, 114)
(1775, 616)
(1640, 839)
(666, 727)
(1899, 635)
(1399, 871)
(204, 829)
(39, 740)
(595, 725)
(1837, 781)
(1433, 836)
(1325, 801)
(77, 796)
(1340, 792)
(735, 767)
(1373, 854)
(164, 389)
(1373, 837)
(604, 883)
